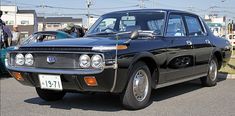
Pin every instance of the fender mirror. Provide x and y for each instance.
(134, 35)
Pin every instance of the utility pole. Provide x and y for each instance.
(226, 27)
(154, 3)
(88, 3)
(142, 5)
(15, 12)
(43, 20)
(226, 23)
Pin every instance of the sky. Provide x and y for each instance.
(77, 8)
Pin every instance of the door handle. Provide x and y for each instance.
(207, 41)
(189, 43)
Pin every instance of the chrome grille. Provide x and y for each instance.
(63, 61)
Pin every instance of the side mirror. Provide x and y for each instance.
(134, 35)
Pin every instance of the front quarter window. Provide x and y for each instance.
(30, 39)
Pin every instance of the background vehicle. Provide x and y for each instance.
(126, 52)
(232, 39)
(36, 37)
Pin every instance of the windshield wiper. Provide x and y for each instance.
(102, 33)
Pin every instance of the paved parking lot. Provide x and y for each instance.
(187, 99)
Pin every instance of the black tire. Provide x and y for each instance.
(207, 80)
(128, 99)
(50, 95)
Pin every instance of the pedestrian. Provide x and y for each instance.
(16, 36)
(1, 31)
(7, 30)
(80, 30)
(6, 36)
(72, 30)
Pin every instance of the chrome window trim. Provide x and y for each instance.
(203, 25)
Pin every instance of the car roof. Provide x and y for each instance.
(151, 10)
(51, 32)
(54, 32)
(45, 32)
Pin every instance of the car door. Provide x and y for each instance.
(201, 44)
(180, 56)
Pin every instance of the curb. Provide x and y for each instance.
(226, 76)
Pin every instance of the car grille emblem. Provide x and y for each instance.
(51, 59)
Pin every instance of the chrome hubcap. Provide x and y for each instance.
(212, 70)
(140, 85)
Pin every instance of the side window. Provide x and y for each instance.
(156, 25)
(175, 26)
(194, 26)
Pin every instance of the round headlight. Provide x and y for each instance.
(19, 59)
(29, 59)
(84, 61)
(96, 61)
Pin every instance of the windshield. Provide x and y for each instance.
(31, 39)
(126, 22)
(39, 38)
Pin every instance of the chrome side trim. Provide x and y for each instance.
(180, 81)
(114, 80)
(110, 66)
(116, 69)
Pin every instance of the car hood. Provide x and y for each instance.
(79, 42)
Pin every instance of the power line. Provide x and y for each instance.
(67, 14)
(70, 8)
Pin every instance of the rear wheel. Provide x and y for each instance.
(211, 78)
(50, 95)
(138, 91)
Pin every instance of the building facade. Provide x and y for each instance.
(26, 20)
(55, 23)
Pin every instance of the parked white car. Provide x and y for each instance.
(232, 39)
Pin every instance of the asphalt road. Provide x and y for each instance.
(186, 99)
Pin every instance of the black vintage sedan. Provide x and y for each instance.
(126, 52)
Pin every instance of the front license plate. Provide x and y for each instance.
(52, 82)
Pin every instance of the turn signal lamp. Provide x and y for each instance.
(90, 80)
(121, 47)
(17, 76)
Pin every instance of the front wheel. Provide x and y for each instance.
(211, 78)
(138, 91)
(50, 95)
